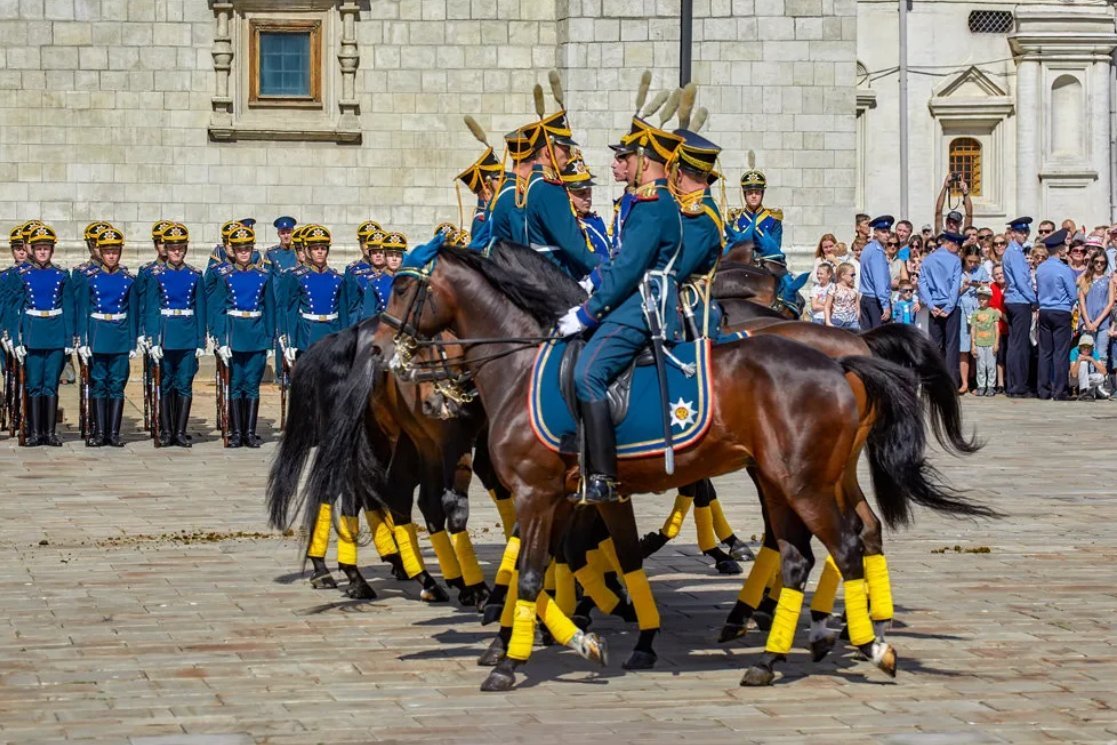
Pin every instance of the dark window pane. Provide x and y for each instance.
(284, 64)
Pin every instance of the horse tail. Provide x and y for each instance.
(897, 446)
(908, 346)
(330, 388)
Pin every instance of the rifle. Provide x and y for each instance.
(147, 391)
(222, 375)
(23, 405)
(284, 384)
(156, 395)
(83, 398)
(6, 403)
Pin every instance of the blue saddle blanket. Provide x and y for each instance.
(640, 433)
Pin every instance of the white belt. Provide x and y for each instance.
(176, 312)
(44, 313)
(108, 316)
(312, 317)
(244, 313)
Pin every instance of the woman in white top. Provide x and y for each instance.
(827, 250)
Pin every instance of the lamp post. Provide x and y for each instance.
(903, 37)
(686, 24)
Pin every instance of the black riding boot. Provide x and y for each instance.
(182, 418)
(166, 417)
(33, 425)
(251, 410)
(235, 407)
(601, 452)
(50, 415)
(95, 437)
(116, 416)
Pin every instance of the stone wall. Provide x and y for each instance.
(106, 104)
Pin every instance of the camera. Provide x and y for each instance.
(955, 178)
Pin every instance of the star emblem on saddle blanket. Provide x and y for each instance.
(682, 413)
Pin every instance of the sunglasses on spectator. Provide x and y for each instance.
(893, 243)
(1077, 249)
(1000, 243)
(1101, 263)
(1044, 231)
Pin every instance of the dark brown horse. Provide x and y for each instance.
(766, 416)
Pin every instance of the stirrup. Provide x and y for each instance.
(580, 497)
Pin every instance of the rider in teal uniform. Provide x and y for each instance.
(484, 179)
(757, 223)
(579, 184)
(651, 246)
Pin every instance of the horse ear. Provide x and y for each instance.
(798, 283)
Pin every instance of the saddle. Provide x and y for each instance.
(620, 390)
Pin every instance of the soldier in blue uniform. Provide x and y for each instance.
(483, 179)
(108, 326)
(42, 332)
(1020, 301)
(142, 275)
(579, 184)
(360, 273)
(175, 318)
(762, 225)
(281, 256)
(243, 331)
(622, 205)
(876, 280)
(313, 299)
(222, 251)
(9, 291)
(940, 285)
(652, 243)
(1057, 292)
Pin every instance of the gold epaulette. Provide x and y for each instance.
(735, 214)
(778, 214)
(647, 193)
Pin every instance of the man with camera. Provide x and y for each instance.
(955, 221)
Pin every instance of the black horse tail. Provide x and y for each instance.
(897, 446)
(908, 346)
(328, 400)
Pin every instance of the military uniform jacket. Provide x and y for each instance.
(703, 229)
(621, 207)
(314, 304)
(212, 278)
(281, 259)
(653, 241)
(505, 217)
(221, 256)
(43, 308)
(380, 292)
(175, 307)
(142, 277)
(594, 228)
(9, 292)
(552, 228)
(108, 314)
(358, 280)
(244, 310)
(763, 227)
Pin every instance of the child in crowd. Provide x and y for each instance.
(843, 307)
(1087, 370)
(903, 310)
(821, 292)
(985, 341)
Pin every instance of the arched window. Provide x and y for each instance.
(1067, 112)
(965, 160)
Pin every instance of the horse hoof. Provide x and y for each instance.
(884, 657)
(433, 594)
(821, 647)
(763, 620)
(741, 552)
(728, 566)
(640, 660)
(360, 591)
(546, 638)
(651, 543)
(498, 680)
(491, 614)
(323, 581)
(466, 597)
(492, 656)
(731, 631)
(582, 622)
(591, 647)
(480, 595)
(757, 676)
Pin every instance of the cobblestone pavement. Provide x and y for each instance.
(113, 630)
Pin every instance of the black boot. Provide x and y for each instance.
(50, 415)
(95, 437)
(601, 452)
(34, 428)
(116, 416)
(182, 418)
(251, 411)
(235, 407)
(166, 417)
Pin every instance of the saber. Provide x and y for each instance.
(655, 325)
(83, 403)
(156, 370)
(148, 394)
(23, 405)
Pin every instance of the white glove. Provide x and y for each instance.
(156, 353)
(7, 344)
(85, 353)
(199, 353)
(69, 351)
(142, 342)
(21, 353)
(570, 324)
(587, 285)
(289, 355)
(131, 353)
(225, 353)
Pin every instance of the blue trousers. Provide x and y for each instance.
(179, 368)
(1054, 337)
(108, 374)
(246, 369)
(944, 334)
(608, 352)
(44, 368)
(1019, 317)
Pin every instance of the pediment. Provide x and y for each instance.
(970, 83)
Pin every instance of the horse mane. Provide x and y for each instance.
(527, 278)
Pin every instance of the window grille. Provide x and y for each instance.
(965, 160)
(990, 21)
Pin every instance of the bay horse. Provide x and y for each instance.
(766, 416)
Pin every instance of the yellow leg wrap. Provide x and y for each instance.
(557, 622)
(593, 583)
(704, 524)
(827, 590)
(880, 587)
(508, 562)
(721, 525)
(347, 528)
(320, 536)
(549, 578)
(447, 561)
(776, 587)
(381, 529)
(523, 631)
(467, 559)
(597, 560)
(408, 541)
(647, 615)
(675, 520)
(507, 613)
(564, 589)
(609, 551)
(767, 563)
(857, 612)
(783, 623)
(506, 508)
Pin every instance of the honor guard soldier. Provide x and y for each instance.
(703, 225)
(876, 280)
(651, 245)
(579, 185)
(940, 281)
(175, 310)
(281, 256)
(395, 246)
(144, 273)
(92, 230)
(221, 252)
(313, 296)
(244, 331)
(760, 224)
(1057, 292)
(10, 289)
(42, 332)
(108, 326)
(299, 246)
(622, 205)
(358, 275)
(1020, 300)
(483, 179)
